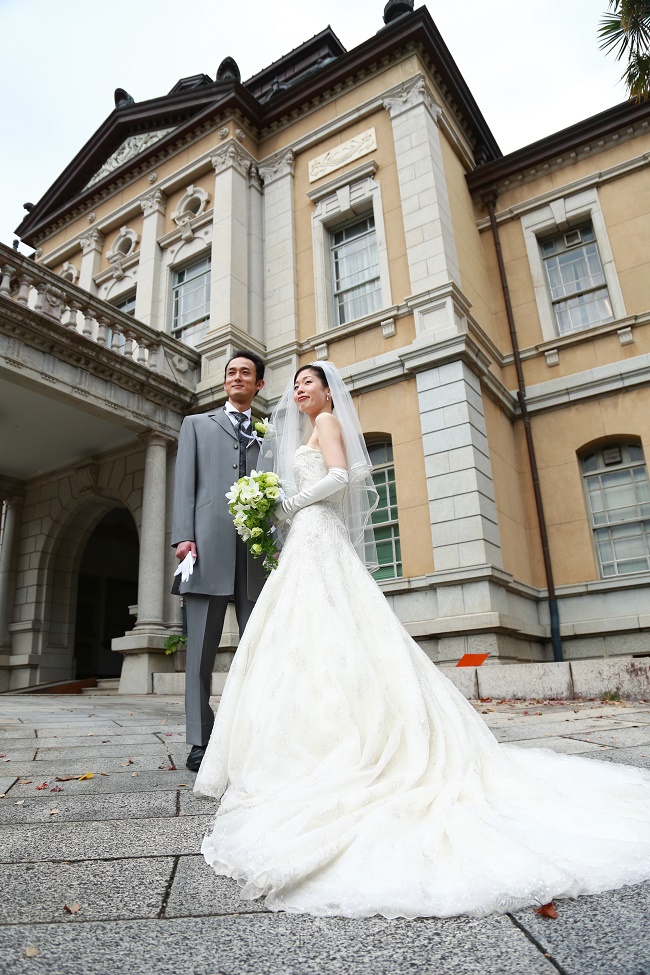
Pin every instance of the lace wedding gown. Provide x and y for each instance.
(357, 780)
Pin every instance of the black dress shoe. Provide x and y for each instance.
(195, 757)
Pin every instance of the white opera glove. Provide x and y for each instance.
(335, 479)
(186, 567)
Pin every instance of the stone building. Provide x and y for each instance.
(490, 314)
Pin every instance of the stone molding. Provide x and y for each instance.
(411, 94)
(93, 240)
(129, 149)
(333, 159)
(277, 166)
(231, 156)
(154, 202)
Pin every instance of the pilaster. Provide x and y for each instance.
(147, 295)
(10, 530)
(92, 244)
(430, 243)
(280, 251)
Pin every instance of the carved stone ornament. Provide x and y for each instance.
(154, 202)
(69, 272)
(124, 244)
(241, 135)
(277, 166)
(228, 70)
(92, 241)
(152, 177)
(91, 217)
(84, 480)
(353, 149)
(321, 350)
(409, 95)
(231, 156)
(130, 148)
(193, 202)
(223, 132)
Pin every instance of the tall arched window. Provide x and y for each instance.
(385, 519)
(618, 495)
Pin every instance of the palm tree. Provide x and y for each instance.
(625, 29)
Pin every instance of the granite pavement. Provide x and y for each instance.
(100, 871)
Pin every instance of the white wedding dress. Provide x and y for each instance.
(357, 780)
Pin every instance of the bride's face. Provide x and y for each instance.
(309, 393)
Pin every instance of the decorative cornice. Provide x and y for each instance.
(277, 166)
(154, 202)
(129, 149)
(231, 156)
(93, 240)
(411, 94)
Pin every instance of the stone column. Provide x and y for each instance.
(462, 506)
(151, 573)
(7, 571)
(229, 274)
(430, 244)
(147, 295)
(256, 256)
(172, 604)
(92, 244)
(280, 251)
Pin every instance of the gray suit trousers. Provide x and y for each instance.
(205, 617)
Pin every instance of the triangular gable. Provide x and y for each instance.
(128, 150)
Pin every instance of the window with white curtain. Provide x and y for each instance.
(191, 294)
(618, 494)
(576, 280)
(355, 270)
(385, 522)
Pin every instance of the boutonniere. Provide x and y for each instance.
(263, 427)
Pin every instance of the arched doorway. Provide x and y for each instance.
(107, 587)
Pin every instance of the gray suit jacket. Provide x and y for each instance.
(207, 465)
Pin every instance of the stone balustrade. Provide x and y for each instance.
(62, 303)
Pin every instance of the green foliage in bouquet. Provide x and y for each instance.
(251, 502)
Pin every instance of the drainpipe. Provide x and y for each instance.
(554, 613)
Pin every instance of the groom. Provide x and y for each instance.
(214, 449)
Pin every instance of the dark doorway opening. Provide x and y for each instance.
(108, 586)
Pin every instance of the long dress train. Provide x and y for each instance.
(357, 780)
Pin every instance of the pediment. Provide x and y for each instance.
(131, 147)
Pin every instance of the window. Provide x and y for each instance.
(191, 294)
(384, 517)
(576, 280)
(618, 494)
(351, 272)
(125, 303)
(572, 265)
(355, 270)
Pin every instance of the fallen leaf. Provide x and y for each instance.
(19, 802)
(56, 788)
(181, 785)
(91, 734)
(525, 712)
(65, 778)
(547, 910)
(54, 812)
(73, 909)
(44, 786)
(24, 781)
(86, 775)
(129, 761)
(171, 768)
(104, 773)
(134, 775)
(31, 951)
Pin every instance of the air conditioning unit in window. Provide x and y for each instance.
(572, 238)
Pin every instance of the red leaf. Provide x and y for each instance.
(547, 910)
(56, 788)
(44, 786)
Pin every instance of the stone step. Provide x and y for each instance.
(106, 686)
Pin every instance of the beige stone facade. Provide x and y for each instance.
(216, 217)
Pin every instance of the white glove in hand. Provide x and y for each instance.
(335, 479)
(186, 567)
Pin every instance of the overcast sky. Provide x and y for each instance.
(533, 65)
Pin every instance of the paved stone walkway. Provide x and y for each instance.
(102, 876)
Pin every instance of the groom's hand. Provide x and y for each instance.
(183, 548)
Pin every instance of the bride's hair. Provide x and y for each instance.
(289, 429)
(320, 372)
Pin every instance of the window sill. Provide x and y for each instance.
(353, 328)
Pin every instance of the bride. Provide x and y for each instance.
(354, 778)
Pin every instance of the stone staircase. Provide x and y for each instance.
(106, 687)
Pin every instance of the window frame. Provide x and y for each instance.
(336, 293)
(560, 216)
(606, 525)
(177, 331)
(586, 286)
(340, 201)
(392, 523)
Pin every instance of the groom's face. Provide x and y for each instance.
(241, 382)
